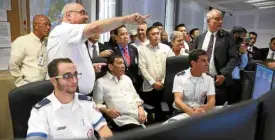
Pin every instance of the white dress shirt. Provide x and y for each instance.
(67, 41)
(119, 95)
(269, 56)
(28, 59)
(212, 67)
(138, 44)
(91, 49)
(194, 89)
(51, 119)
(152, 64)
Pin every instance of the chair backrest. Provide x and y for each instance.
(251, 65)
(174, 65)
(247, 84)
(21, 101)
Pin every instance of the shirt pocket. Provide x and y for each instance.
(59, 130)
(188, 92)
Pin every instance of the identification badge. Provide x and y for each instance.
(40, 61)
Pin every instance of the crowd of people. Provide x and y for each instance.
(97, 83)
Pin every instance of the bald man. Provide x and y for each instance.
(68, 39)
(28, 60)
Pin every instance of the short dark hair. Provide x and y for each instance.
(53, 66)
(194, 55)
(193, 30)
(238, 30)
(179, 25)
(272, 39)
(253, 33)
(157, 24)
(267, 61)
(150, 28)
(111, 59)
(116, 30)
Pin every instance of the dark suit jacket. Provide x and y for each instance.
(225, 53)
(256, 54)
(132, 69)
(264, 53)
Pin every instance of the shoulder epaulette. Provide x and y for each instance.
(84, 97)
(180, 73)
(41, 103)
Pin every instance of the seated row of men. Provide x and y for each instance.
(68, 114)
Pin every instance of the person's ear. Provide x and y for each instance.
(53, 81)
(110, 66)
(193, 64)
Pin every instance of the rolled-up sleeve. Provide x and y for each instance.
(98, 95)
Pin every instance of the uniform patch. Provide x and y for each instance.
(84, 97)
(180, 73)
(42, 103)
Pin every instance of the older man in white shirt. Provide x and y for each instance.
(122, 103)
(152, 64)
(141, 34)
(68, 39)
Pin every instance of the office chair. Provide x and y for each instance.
(251, 65)
(21, 101)
(247, 84)
(174, 65)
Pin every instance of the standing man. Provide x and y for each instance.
(68, 39)
(221, 50)
(152, 64)
(65, 114)
(271, 52)
(254, 53)
(182, 28)
(129, 54)
(28, 60)
(142, 38)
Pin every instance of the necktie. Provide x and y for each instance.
(210, 47)
(272, 55)
(94, 51)
(126, 56)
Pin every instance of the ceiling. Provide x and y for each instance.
(230, 5)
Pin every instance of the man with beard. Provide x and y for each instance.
(67, 39)
(65, 114)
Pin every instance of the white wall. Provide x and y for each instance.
(260, 21)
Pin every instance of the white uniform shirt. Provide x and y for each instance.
(28, 60)
(91, 49)
(66, 41)
(194, 89)
(152, 64)
(212, 67)
(119, 95)
(52, 120)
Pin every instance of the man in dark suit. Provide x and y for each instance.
(254, 53)
(98, 53)
(222, 53)
(129, 54)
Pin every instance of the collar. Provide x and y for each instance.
(209, 33)
(56, 103)
(112, 77)
(120, 47)
(154, 47)
(91, 44)
(35, 37)
(189, 75)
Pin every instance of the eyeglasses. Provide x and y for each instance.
(82, 12)
(68, 76)
(45, 24)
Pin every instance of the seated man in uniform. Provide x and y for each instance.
(122, 103)
(192, 86)
(65, 114)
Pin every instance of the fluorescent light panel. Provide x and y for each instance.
(264, 3)
(253, 1)
(266, 7)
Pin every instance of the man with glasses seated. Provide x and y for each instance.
(28, 60)
(65, 114)
(68, 39)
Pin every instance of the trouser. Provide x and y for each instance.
(234, 92)
(154, 99)
(126, 127)
(221, 94)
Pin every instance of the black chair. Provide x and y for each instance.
(247, 84)
(251, 65)
(21, 101)
(174, 65)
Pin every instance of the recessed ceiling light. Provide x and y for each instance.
(264, 3)
(253, 1)
(266, 7)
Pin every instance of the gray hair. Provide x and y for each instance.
(175, 35)
(210, 14)
(67, 8)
